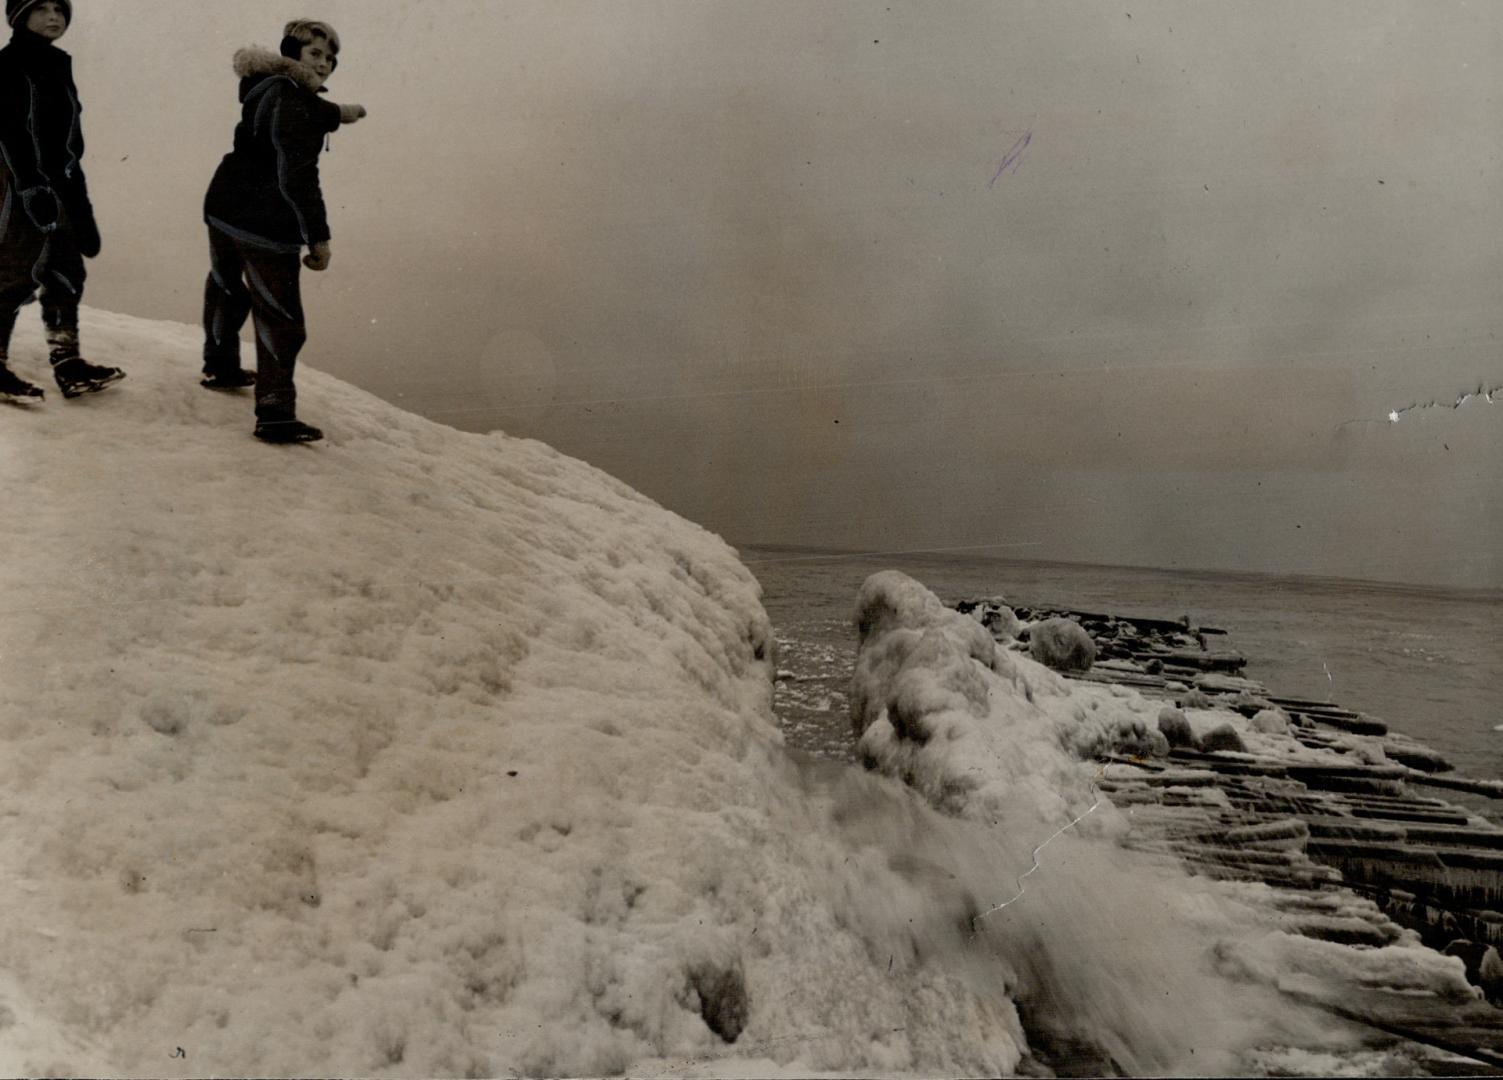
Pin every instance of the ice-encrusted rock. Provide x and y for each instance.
(1176, 728)
(1223, 737)
(1270, 722)
(1063, 645)
(1002, 622)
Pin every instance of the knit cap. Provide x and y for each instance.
(17, 10)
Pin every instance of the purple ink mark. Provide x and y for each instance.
(1013, 158)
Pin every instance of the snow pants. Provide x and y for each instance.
(247, 280)
(32, 261)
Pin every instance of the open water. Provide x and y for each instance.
(1427, 661)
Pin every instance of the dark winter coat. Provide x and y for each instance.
(41, 138)
(266, 189)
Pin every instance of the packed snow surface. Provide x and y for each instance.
(413, 752)
(422, 753)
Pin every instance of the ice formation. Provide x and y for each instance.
(1062, 645)
(987, 734)
(424, 753)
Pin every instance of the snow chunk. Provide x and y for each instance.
(1176, 727)
(1270, 722)
(1223, 737)
(1063, 645)
(994, 614)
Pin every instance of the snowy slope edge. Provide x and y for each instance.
(416, 753)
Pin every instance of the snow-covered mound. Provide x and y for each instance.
(417, 753)
(980, 730)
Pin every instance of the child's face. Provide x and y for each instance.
(318, 56)
(47, 20)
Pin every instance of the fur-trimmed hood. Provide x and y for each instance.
(266, 188)
(253, 60)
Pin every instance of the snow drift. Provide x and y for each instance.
(415, 752)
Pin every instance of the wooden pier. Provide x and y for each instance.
(1347, 833)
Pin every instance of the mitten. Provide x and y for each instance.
(348, 114)
(318, 256)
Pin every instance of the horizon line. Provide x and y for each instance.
(813, 552)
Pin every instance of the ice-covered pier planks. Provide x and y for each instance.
(1356, 798)
(1331, 716)
(1323, 809)
(1173, 647)
(1493, 789)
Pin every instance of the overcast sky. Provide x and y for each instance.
(1119, 283)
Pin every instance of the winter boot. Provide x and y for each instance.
(233, 379)
(286, 431)
(16, 390)
(76, 376)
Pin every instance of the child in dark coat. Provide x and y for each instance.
(263, 208)
(47, 224)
